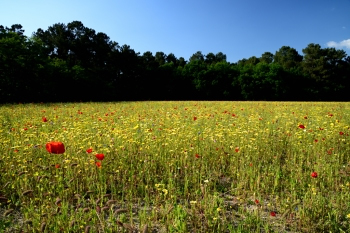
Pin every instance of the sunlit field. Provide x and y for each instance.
(175, 167)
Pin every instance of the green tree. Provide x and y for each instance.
(250, 61)
(324, 67)
(13, 53)
(56, 40)
(92, 59)
(210, 58)
(266, 57)
(182, 62)
(171, 58)
(218, 80)
(130, 73)
(288, 57)
(198, 56)
(220, 57)
(160, 58)
(192, 75)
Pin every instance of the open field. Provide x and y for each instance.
(175, 167)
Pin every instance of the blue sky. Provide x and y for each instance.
(238, 28)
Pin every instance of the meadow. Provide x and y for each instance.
(175, 167)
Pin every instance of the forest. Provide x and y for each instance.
(71, 63)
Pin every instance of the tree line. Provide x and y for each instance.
(75, 63)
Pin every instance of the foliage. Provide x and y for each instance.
(75, 58)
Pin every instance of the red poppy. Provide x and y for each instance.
(100, 156)
(55, 147)
(89, 150)
(57, 165)
(197, 156)
(301, 126)
(273, 213)
(98, 164)
(194, 118)
(237, 149)
(44, 119)
(341, 133)
(256, 201)
(314, 174)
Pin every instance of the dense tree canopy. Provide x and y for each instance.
(75, 63)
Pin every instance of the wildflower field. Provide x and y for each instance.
(175, 167)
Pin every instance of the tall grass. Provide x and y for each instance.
(176, 167)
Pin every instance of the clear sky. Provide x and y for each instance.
(238, 28)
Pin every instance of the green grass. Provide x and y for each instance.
(176, 167)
